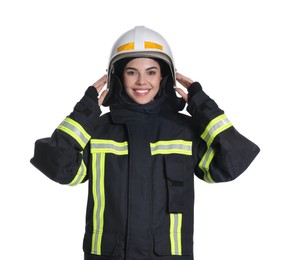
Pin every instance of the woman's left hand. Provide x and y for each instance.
(185, 82)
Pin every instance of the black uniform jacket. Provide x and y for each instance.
(140, 161)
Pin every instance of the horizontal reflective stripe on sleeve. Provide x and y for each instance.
(214, 128)
(109, 146)
(82, 172)
(74, 129)
(171, 147)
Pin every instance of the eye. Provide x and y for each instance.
(130, 72)
(151, 72)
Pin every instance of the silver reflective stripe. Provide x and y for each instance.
(98, 175)
(75, 130)
(109, 146)
(175, 233)
(171, 147)
(205, 164)
(80, 174)
(215, 127)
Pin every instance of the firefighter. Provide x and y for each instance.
(140, 158)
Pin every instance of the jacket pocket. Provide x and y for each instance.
(105, 245)
(163, 245)
(178, 169)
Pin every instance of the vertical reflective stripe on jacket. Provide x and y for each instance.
(75, 130)
(99, 149)
(175, 233)
(171, 147)
(213, 129)
(98, 175)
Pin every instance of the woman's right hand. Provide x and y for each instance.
(99, 84)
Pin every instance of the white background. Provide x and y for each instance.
(51, 51)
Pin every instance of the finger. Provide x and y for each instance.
(182, 93)
(184, 81)
(102, 97)
(99, 84)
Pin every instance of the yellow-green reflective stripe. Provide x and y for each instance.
(215, 127)
(175, 233)
(205, 163)
(80, 174)
(74, 129)
(98, 176)
(109, 146)
(170, 147)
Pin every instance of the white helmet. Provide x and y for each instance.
(141, 42)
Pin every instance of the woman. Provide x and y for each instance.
(140, 158)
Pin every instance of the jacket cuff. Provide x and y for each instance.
(202, 108)
(87, 111)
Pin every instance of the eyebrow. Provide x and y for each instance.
(131, 68)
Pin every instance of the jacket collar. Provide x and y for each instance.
(127, 112)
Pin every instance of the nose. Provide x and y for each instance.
(141, 80)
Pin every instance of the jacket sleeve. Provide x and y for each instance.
(222, 152)
(63, 157)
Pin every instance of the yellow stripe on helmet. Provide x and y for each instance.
(153, 45)
(126, 47)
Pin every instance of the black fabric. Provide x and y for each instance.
(92, 92)
(125, 112)
(176, 103)
(194, 88)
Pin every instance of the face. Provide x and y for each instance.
(141, 78)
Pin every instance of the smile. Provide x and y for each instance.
(142, 91)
